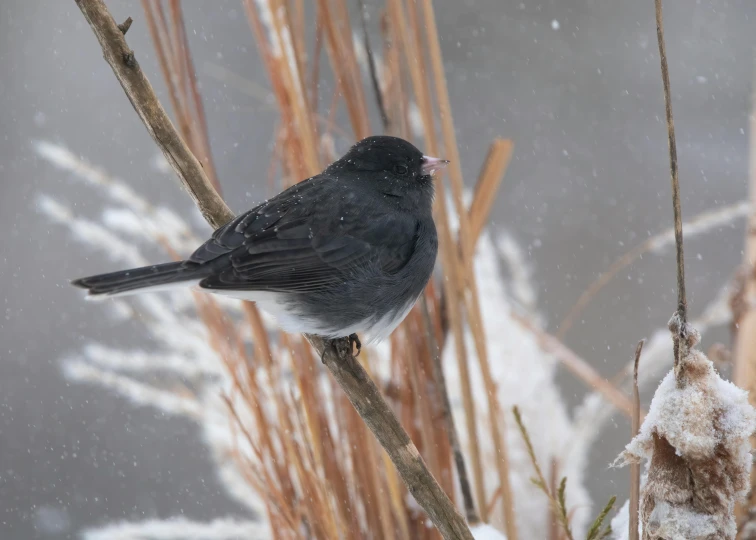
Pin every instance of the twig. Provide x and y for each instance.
(139, 91)
(372, 68)
(634, 466)
(336, 354)
(125, 25)
(459, 459)
(682, 304)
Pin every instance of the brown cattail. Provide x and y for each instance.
(696, 441)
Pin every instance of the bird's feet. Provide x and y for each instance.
(354, 342)
(341, 347)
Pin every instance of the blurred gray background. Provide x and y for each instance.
(581, 97)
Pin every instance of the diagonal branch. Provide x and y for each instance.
(336, 354)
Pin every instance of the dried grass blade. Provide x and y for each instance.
(634, 466)
(449, 259)
(467, 250)
(489, 179)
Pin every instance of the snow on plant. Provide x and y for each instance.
(695, 440)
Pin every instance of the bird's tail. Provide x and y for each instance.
(134, 280)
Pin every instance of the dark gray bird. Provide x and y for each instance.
(348, 250)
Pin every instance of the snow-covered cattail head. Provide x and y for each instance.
(696, 440)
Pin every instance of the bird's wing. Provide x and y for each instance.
(306, 239)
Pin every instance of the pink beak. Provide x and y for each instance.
(432, 164)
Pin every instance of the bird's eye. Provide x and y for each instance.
(400, 169)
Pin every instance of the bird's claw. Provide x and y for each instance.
(354, 341)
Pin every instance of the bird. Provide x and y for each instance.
(347, 251)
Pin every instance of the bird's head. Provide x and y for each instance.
(394, 166)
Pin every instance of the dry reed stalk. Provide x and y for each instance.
(356, 436)
(682, 304)
(176, 63)
(635, 467)
(418, 383)
(377, 480)
(393, 84)
(490, 177)
(303, 125)
(417, 336)
(315, 69)
(466, 242)
(226, 341)
(372, 68)
(453, 438)
(289, 96)
(340, 49)
(295, 14)
(198, 113)
(449, 260)
(138, 89)
(465, 272)
(259, 334)
(745, 347)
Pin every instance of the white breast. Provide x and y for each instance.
(293, 321)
